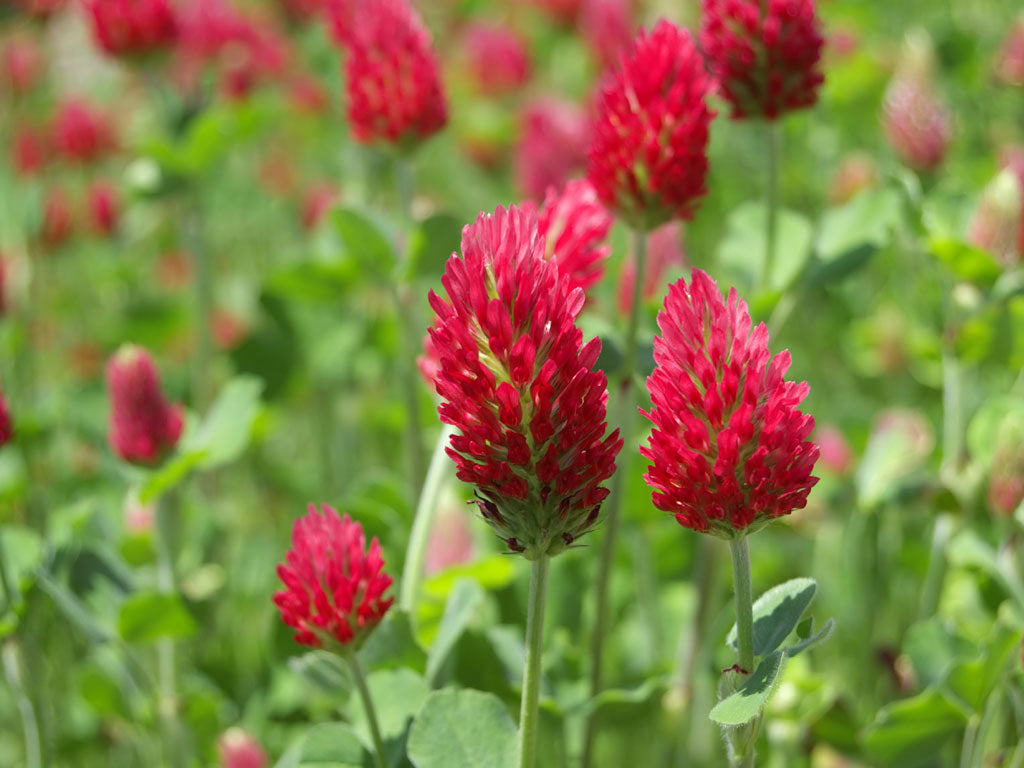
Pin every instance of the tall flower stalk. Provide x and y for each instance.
(729, 450)
(517, 383)
(648, 164)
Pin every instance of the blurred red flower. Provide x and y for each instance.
(608, 28)
(575, 229)
(553, 146)
(836, 454)
(729, 448)
(133, 28)
(20, 64)
(857, 171)
(518, 383)
(394, 82)
(81, 133)
(237, 748)
(497, 59)
(103, 207)
(917, 124)
(30, 147)
(648, 160)
(57, 226)
(317, 203)
(144, 427)
(1010, 63)
(334, 586)
(764, 54)
(1012, 158)
(995, 225)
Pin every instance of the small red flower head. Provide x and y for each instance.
(1010, 62)
(518, 383)
(6, 425)
(764, 54)
(21, 62)
(144, 427)
(394, 81)
(133, 28)
(333, 585)
(575, 229)
(237, 748)
(103, 207)
(729, 446)
(917, 124)
(496, 57)
(648, 159)
(82, 134)
(553, 146)
(317, 203)
(30, 148)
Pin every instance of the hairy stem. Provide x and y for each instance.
(359, 678)
(167, 698)
(29, 724)
(740, 551)
(528, 714)
(771, 199)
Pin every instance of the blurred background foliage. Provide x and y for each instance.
(911, 338)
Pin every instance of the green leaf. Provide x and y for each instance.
(364, 241)
(992, 418)
(463, 603)
(21, 552)
(777, 612)
(397, 696)
(149, 616)
(850, 234)
(392, 644)
(323, 670)
(973, 680)
(965, 261)
(913, 731)
(463, 729)
(742, 250)
(744, 705)
(817, 638)
(433, 241)
(331, 745)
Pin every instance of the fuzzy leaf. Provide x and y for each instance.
(745, 704)
(463, 729)
(776, 614)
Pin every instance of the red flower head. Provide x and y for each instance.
(6, 425)
(394, 82)
(1010, 64)
(729, 447)
(317, 203)
(648, 159)
(240, 749)
(664, 252)
(20, 65)
(996, 223)
(575, 229)
(81, 133)
(764, 54)
(30, 147)
(57, 226)
(496, 57)
(103, 207)
(916, 122)
(133, 28)
(607, 28)
(333, 585)
(553, 146)
(144, 427)
(517, 382)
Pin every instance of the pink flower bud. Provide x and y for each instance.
(240, 749)
(144, 427)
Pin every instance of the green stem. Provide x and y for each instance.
(426, 512)
(410, 334)
(203, 279)
(528, 714)
(167, 698)
(771, 199)
(744, 602)
(952, 415)
(624, 406)
(29, 724)
(931, 590)
(359, 678)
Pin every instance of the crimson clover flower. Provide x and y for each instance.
(518, 383)
(648, 158)
(729, 448)
(764, 56)
(144, 427)
(333, 584)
